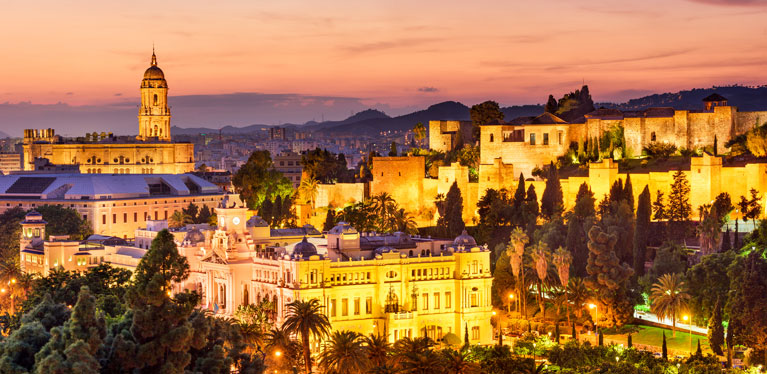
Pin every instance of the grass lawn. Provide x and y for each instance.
(653, 336)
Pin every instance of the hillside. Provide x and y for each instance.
(745, 98)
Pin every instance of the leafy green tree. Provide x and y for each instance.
(192, 211)
(723, 207)
(712, 282)
(179, 219)
(552, 200)
(419, 132)
(306, 319)
(484, 113)
(669, 298)
(17, 351)
(750, 208)
(257, 180)
(747, 304)
(205, 215)
(716, 329)
(64, 221)
(327, 167)
(641, 231)
(451, 223)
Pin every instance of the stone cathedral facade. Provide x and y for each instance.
(152, 152)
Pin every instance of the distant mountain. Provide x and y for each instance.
(745, 98)
(365, 115)
(224, 130)
(448, 110)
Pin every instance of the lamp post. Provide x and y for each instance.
(511, 300)
(596, 321)
(497, 324)
(689, 324)
(533, 357)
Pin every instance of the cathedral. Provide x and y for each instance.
(152, 152)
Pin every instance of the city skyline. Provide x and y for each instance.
(295, 62)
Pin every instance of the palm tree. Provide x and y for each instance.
(669, 297)
(562, 260)
(516, 251)
(308, 190)
(384, 208)
(344, 353)
(457, 362)
(377, 348)
(541, 257)
(419, 132)
(577, 293)
(306, 319)
(415, 356)
(179, 219)
(405, 222)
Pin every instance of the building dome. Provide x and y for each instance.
(304, 249)
(154, 72)
(256, 221)
(33, 217)
(465, 240)
(194, 236)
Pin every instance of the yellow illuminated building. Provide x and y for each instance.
(150, 153)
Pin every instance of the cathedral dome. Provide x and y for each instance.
(154, 72)
(194, 236)
(465, 240)
(304, 249)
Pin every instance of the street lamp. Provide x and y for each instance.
(511, 300)
(596, 321)
(689, 324)
(533, 357)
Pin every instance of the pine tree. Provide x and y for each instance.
(160, 327)
(451, 223)
(204, 216)
(664, 348)
(659, 208)
(641, 231)
(679, 208)
(552, 199)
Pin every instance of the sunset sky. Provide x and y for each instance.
(293, 61)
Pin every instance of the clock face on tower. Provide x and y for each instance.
(236, 220)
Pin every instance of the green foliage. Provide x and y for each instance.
(715, 329)
(257, 181)
(641, 231)
(307, 320)
(747, 304)
(326, 167)
(712, 283)
(484, 113)
(659, 211)
(575, 104)
(669, 259)
(609, 277)
(64, 221)
(679, 208)
(552, 201)
(659, 150)
(451, 223)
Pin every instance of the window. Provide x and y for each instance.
(125, 217)
(368, 305)
(344, 307)
(545, 138)
(560, 136)
(652, 136)
(475, 267)
(114, 218)
(425, 298)
(356, 306)
(448, 300)
(436, 300)
(475, 333)
(532, 139)
(491, 138)
(135, 217)
(474, 300)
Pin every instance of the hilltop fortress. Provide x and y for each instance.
(508, 149)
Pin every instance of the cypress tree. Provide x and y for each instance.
(266, 211)
(518, 203)
(277, 211)
(601, 339)
(736, 238)
(726, 241)
(531, 210)
(629, 343)
(330, 220)
(715, 329)
(698, 352)
(556, 332)
(616, 191)
(552, 201)
(664, 349)
(451, 223)
(529, 327)
(728, 341)
(466, 343)
(628, 192)
(644, 210)
(574, 336)
(551, 105)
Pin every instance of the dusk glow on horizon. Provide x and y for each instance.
(395, 55)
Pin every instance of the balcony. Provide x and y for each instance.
(403, 316)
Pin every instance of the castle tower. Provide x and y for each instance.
(154, 113)
(31, 241)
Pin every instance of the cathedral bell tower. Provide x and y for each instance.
(154, 113)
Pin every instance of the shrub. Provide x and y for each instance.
(660, 150)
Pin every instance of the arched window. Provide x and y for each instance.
(155, 100)
(652, 136)
(245, 295)
(491, 138)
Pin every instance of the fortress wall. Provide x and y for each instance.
(497, 175)
(523, 155)
(745, 121)
(339, 194)
(402, 178)
(456, 173)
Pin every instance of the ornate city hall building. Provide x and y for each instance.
(392, 284)
(151, 152)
